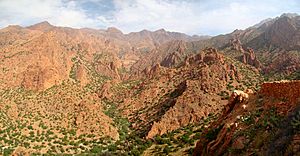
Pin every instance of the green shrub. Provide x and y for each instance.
(7, 151)
(96, 149)
(185, 138)
(112, 147)
(167, 150)
(30, 127)
(296, 121)
(135, 152)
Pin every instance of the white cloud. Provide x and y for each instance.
(24, 12)
(194, 17)
(189, 16)
(149, 14)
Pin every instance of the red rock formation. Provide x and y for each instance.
(236, 45)
(171, 60)
(208, 55)
(36, 78)
(154, 70)
(249, 57)
(82, 75)
(227, 123)
(285, 63)
(288, 91)
(171, 106)
(104, 92)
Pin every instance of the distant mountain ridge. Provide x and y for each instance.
(89, 91)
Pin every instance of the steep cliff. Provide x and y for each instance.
(256, 125)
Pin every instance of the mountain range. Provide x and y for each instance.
(88, 91)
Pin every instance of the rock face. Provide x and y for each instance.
(172, 60)
(233, 116)
(249, 57)
(284, 62)
(36, 78)
(287, 90)
(33, 78)
(171, 54)
(175, 97)
(236, 44)
(284, 33)
(82, 75)
(212, 56)
(282, 89)
(104, 92)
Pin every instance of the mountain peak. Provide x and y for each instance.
(161, 30)
(42, 26)
(114, 30)
(263, 22)
(44, 23)
(290, 15)
(14, 27)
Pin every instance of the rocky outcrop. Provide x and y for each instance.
(285, 63)
(208, 56)
(169, 105)
(82, 75)
(105, 92)
(212, 55)
(219, 137)
(249, 57)
(36, 78)
(222, 129)
(156, 69)
(287, 91)
(236, 45)
(171, 60)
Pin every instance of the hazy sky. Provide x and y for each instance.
(202, 17)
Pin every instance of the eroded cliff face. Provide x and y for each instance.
(174, 97)
(249, 57)
(245, 55)
(288, 90)
(266, 112)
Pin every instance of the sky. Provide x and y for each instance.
(200, 17)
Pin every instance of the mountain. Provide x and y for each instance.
(50, 53)
(274, 42)
(89, 91)
(57, 84)
(43, 26)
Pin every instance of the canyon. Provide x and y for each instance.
(102, 92)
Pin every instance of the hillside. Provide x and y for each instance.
(275, 42)
(103, 92)
(268, 125)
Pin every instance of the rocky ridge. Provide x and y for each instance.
(101, 91)
(235, 127)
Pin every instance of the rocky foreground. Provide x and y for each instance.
(266, 124)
